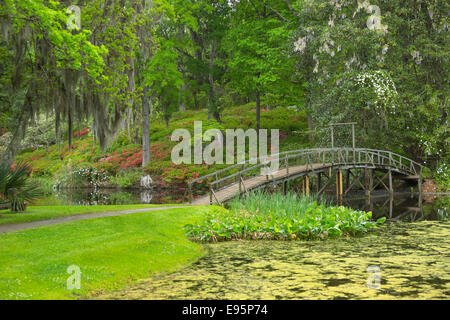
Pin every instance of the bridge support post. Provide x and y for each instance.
(369, 181)
(391, 205)
(339, 187)
(285, 187)
(307, 185)
(391, 187)
(240, 185)
(210, 195)
(419, 184)
(319, 182)
(347, 179)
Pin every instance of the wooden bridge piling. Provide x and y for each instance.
(307, 185)
(391, 187)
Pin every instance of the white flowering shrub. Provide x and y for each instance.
(80, 177)
(442, 176)
(384, 90)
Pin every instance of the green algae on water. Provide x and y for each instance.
(413, 259)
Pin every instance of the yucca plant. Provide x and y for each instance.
(15, 187)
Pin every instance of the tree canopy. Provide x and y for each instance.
(382, 64)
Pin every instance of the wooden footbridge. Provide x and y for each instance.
(317, 170)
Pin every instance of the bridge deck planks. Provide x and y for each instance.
(233, 190)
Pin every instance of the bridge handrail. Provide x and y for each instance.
(302, 152)
(243, 163)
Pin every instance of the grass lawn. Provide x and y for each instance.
(51, 212)
(110, 252)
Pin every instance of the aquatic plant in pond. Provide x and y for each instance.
(276, 219)
(289, 205)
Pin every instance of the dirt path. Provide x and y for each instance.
(34, 224)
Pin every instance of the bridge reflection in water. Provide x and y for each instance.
(403, 206)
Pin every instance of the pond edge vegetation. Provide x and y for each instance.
(260, 216)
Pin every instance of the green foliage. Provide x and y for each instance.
(392, 81)
(123, 151)
(264, 216)
(442, 176)
(122, 141)
(257, 45)
(80, 176)
(127, 178)
(15, 187)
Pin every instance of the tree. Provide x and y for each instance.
(257, 46)
(382, 66)
(41, 60)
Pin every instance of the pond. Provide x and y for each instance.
(409, 258)
(90, 197)
(412, 261)
(410, 255)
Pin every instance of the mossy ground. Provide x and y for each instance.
(414, 260)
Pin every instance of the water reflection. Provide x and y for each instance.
(408, 207)
(91, 197)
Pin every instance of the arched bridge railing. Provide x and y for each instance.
(299, 162)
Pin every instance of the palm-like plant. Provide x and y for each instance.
(15, 188)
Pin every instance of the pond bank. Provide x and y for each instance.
(414, 262)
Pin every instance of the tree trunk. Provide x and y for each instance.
(195, 100)
(310, 127)
(166, 121)
(212, 89)
(182, 107)
(258, 110)
(70, 129)
(146, 156)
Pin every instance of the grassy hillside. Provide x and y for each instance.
(121, 164)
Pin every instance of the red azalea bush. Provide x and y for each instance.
(168, 174)
(81, 133)
(132, 158)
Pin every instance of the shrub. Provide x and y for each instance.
(127, 178)
(443, 176)
(76, 177)
(263, 216)
(123, 140)
(81, 133)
